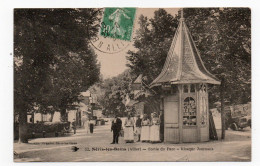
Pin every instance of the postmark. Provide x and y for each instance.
(116, 30)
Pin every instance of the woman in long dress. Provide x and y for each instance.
(145, 131)
(129, 130)
(155, 129)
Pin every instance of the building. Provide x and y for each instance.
(184, 84)
(145, 102)
(76, 111)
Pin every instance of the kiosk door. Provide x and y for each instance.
(171, 119)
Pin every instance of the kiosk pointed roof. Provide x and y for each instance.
(183, 63)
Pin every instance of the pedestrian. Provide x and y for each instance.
(74, 126)
(83, 120)
(129, 130)
(155, 128)
(87, 124)
(91, 126)
(145, 131)
(138, 125)
(116, 128)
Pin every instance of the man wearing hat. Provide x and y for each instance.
(116, 128)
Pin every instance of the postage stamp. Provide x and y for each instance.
(118, 23)
(116, 30)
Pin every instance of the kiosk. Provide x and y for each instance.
(184, 83)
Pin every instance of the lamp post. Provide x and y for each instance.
(223, 127)
(91, 106)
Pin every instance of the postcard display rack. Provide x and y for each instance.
(183, 84)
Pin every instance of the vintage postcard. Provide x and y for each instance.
(132, 84)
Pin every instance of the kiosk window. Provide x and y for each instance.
(189, 112)
(192, 88)
(186, 89)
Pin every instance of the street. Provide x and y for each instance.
(97, 147)
(181, 70)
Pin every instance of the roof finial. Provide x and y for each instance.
(182, 18)
(182, 13)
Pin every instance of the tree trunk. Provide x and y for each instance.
(63, 115)
(223, 128)
(52, 114)
(23, 135)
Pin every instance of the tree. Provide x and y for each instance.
(52, 58)
(152, 42)
(222, 36)
(112, 93)
(73, 74)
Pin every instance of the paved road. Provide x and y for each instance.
(97, 147)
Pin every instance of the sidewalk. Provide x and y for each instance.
(38, 144)
(97, 147)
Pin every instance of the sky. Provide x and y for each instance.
(114, 64)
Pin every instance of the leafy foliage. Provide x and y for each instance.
(112, 93)
(222, 35)
(48, 127)
(152, 42)
(52, 58)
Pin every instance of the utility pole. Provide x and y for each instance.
(222, 91)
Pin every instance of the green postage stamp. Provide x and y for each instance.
(118, 23)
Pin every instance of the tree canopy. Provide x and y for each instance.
(222, 36)
(152, 42)
(53, 61)
(112, 93)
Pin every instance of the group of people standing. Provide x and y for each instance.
(147, 130)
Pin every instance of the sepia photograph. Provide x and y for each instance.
(132, 84)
